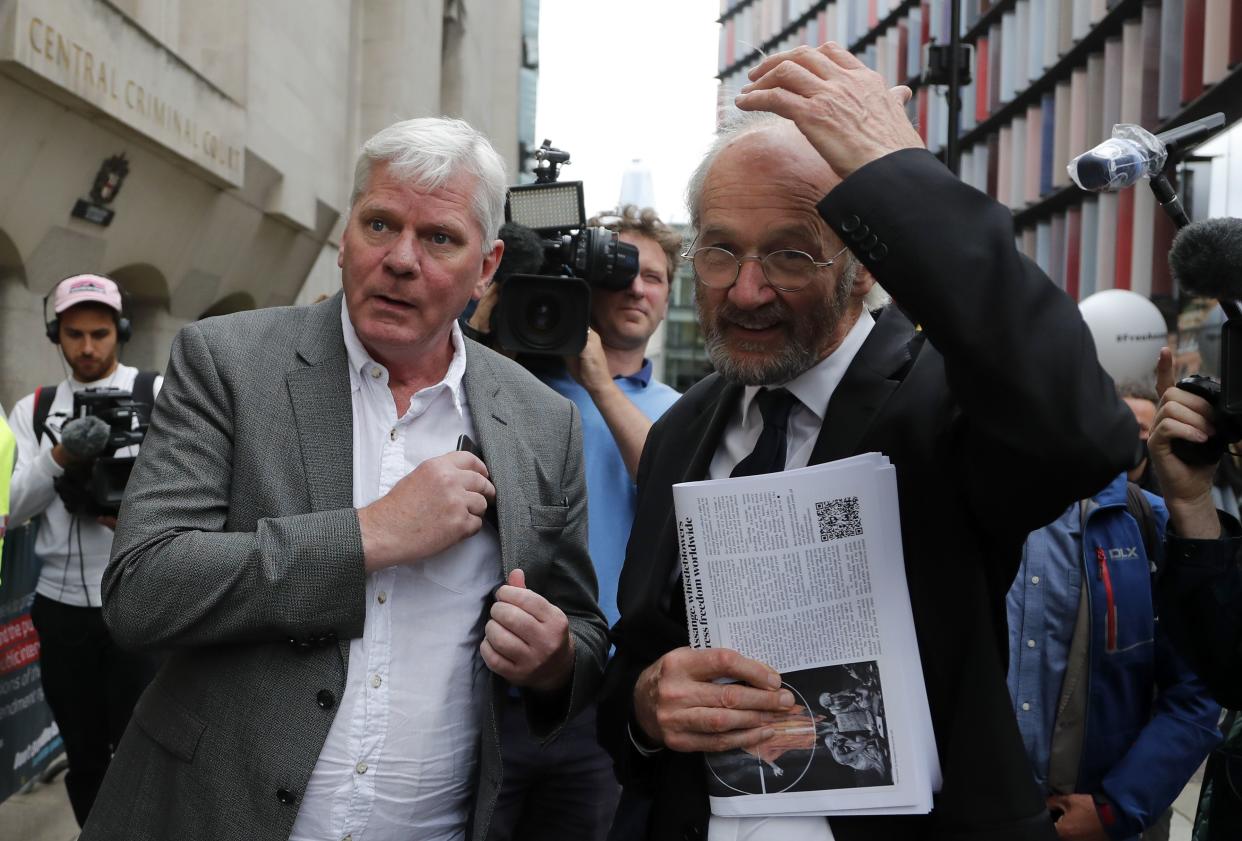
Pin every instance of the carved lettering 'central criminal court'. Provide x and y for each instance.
(96, 78)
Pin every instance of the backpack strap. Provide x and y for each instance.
(144, 387)
(44, 397)
(1140, 509)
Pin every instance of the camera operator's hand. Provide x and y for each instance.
(1187, 488)
(437, 505)
(481, 318)
(590, 367)
(844, 108)
(627, 423)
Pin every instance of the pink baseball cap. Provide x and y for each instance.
(82, 288)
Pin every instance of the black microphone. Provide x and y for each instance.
(1206, 258)
(1133, 153)
(524, 250)
(85, 437)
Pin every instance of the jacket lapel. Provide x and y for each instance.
(871, 378)
(490, 411)
(703, 433)
(323, 409)
(706, 430)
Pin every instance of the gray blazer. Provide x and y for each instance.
(239, 553)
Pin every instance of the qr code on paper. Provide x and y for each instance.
(838, 518)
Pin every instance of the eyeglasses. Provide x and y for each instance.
(787, 270)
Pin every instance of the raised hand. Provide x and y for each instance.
(845, 109)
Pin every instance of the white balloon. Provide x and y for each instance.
(1128, 331)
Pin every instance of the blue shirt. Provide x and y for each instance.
(1042, 605)
(610, 491)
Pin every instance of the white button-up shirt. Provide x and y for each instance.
(400, 759)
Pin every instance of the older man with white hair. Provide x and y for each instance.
(789, 208)
(346, 584)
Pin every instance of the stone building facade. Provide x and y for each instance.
(217, 140)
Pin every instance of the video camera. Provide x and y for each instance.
(94, 487)
(544, 306)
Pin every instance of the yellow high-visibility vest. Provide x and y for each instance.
(8, 451)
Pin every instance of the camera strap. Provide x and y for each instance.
(144, 387)
(1140, 509)
(44, 397)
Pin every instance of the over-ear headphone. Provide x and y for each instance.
(124, 327)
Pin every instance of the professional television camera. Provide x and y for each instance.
(544, 306)
(93, 485)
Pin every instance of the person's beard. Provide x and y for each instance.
(804, 335)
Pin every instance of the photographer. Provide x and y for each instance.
(1200, 590)
(567, 785)
(89, 683)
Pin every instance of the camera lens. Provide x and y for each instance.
(601, 259)
(543, 314)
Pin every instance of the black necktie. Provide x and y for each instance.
(768, 456)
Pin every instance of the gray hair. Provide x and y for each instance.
(736, 124)
(427, 152)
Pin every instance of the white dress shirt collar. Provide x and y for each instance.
(363, 367)
(814, 386)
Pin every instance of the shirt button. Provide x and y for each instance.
(1026, 707)
(376, 680)
(1030, 643)
(382, 597)
(348, 838)
(392, 434)
(361, 767)
(376, 373)
(1034, 579)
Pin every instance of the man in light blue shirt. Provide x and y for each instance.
(566, 788)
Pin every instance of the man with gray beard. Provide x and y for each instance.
(818, 191)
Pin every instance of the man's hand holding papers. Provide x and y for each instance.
(678, 704)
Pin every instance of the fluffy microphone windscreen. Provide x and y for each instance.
(523, 251)
(85, 437)
(1206, 258)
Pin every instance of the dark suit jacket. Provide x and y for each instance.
(996, 417)
(239, 550)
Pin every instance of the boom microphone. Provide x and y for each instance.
(1206, 258)
(523, 251)
(1133, 153)
(85, 437)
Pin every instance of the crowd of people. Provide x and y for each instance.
(373, 579)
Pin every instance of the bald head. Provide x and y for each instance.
(769, 145)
